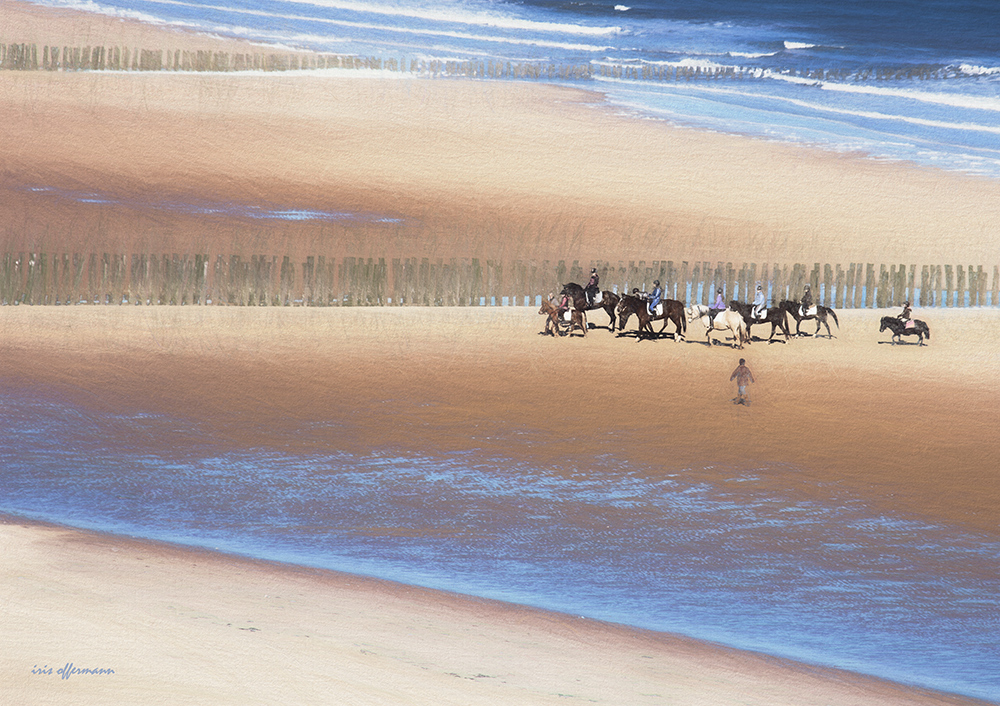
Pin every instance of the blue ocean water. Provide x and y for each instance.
(727, 555)
(914, 80)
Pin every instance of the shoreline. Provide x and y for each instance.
(694, 666)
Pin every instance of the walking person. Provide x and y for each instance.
(743, 377)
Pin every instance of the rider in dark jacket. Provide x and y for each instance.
(807, 301)
(592, 286)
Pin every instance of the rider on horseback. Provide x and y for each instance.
(807, 301)
(592, 286)
(655, 297)
(759, 303)
(904, 315)
(720, 303)
(565, 304)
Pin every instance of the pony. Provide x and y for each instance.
(562, 324)
(898, 328)
(671, 310)
(607, 300)
(725, 320)
(776, 316)
(822, 312)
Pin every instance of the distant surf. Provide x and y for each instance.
(912, 81)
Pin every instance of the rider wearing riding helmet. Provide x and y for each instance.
(592, 286)
(655, 296)
(719, 301)
(759, 303)
(807, 300)
(904, 315)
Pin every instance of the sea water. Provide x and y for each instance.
(912, 80)
(736, 555)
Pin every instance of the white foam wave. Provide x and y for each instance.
(452, 34)
(798, 45)
(875, 115)
(972, 70)
(97, 9)
(622, 8)
(950, 99)
(750, 55)
(459, 16)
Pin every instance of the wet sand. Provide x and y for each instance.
(472, 169)
(193, 626)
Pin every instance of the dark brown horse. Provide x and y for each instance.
(898, 328)
(561, 323)
(607, 301)
(670, 310)
(821, 315)
(776, 316)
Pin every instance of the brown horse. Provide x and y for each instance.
(668, 310)
(607, 301)
(557, 323)
(776, 316)
(822, 312)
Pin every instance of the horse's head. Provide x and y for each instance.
(884, 324)
(696, 312)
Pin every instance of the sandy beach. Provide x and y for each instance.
(466, 169)
(354, 368)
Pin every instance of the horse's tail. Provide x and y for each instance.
(927, 331)
(834, 315)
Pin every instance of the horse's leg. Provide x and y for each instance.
(610, 310)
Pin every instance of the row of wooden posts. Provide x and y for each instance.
(262, 280)
(28, 57)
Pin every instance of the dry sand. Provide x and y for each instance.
(475, 169)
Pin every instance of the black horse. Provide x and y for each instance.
(673, 310)
(608, 301)
(821, 315)
(776, 316)
(898, 328)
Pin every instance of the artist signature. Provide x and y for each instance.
(69, 670)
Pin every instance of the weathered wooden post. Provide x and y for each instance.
(882, 293)
(850, 295)
(694, 284)
(869, 285)
(476, 282)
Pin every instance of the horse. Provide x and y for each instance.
(822, 312)
(776, 316)
(898, 328)
(725, 320)
(556, 324)
(671, 310)
(607, 300)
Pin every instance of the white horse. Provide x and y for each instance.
(725, 320)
